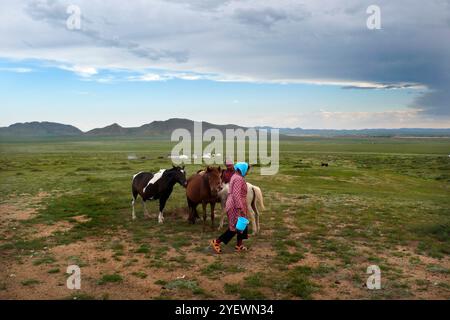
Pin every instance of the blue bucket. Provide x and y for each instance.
(242, 223)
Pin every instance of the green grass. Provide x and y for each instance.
(139, 274)
(377, 194)
(53, 270)
(144, 248)
(30, 282)
(243, 292)
(44, 260)
(110, 278)
(183, 284)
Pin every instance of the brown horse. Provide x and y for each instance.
(203, 187)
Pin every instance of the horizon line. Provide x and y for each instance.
(233, 124)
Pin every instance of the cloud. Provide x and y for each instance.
(267, 17)
(264, 17)
(164, 75)
(208, 5)
(54, 13)
(83, 71)
(349, 120)
(273, 41)
(435, 103)
(16, 70)
(148, 77)
(384, 86)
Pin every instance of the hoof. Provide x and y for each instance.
(160, 220)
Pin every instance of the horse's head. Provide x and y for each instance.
(179, 175)
(213, 175)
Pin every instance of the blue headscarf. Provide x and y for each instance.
(242, 166)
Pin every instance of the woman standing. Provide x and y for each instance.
(228, 172)
(236, 207)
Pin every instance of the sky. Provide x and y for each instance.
(281, 63)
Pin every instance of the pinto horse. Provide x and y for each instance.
(156, 186)
(203, 187)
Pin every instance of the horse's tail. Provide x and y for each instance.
(259, 197)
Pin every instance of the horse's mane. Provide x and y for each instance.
(173, 169)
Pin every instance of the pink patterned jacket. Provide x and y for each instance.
(236, 205)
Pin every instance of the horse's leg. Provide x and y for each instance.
(255, 210)
(146, 214)
(189, 211)
(213, 205)
(204, 214)
(194, 214)
(222, 213)
(133, 213)
(162, 204)
(252, 218)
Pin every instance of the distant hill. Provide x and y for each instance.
(165, 128)
(40, 129)
(157, 128)
(111, 130)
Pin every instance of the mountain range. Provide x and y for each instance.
(165, 128)
(155, 128)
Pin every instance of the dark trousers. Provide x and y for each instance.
(228, 235)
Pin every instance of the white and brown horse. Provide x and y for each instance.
(254, 199)
(153, 186)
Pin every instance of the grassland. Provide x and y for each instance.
(382, 201)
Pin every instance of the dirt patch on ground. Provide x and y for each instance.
(81, 219)
(27, 280)
(46, 230)
(10, 212)
(403, 273)
(42, 275)
(114, 267)
(21, 207)
(16, 209)
(421, 274)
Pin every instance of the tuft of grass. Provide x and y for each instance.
(180, 241)
(438, 269)
(255, 280)
(110, 278)
(213, 268)
(144, 248)
(30, 282)
(54, 270)
(76, 260)
(139, 274)
(243, 292)
(160, 282)
(44, 260)
(183, 284)
(80, 296)
(297, 283)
